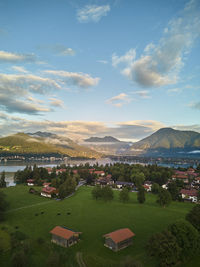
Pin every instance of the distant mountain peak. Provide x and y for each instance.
(169, 138)
(41, 134)
(105, 139)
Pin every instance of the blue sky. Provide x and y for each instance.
(95, 68)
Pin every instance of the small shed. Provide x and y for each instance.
(119, 239)
(64, 237)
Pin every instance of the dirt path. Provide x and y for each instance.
(30, 206)
(79, 258)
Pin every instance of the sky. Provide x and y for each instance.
(82, 68)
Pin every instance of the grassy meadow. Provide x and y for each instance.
(92, 218)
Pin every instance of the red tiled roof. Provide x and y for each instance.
(47, 184)
(62, 232)
(120, 235)
(48, 190)
(180, 176)
(30, 181)
(192, 192)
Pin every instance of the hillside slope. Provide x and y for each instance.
(21, 143)
(168, 138)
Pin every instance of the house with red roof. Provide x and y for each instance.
(48, 191)
(64, 237)
(119, 239)
(189, 194)
(182, 177)
(46, 184)
(30, 182)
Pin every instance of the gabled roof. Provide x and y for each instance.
(120, 235)
(30, 180)
(48, 190)
(191, 192)
(63, 232)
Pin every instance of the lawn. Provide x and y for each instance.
(93, 219)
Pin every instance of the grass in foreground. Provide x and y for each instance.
(93, 219)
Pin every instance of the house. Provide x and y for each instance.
(99, 173)
(46, 184)
(147, 187)
(30, 182)
(105, 180)
(60, 171)
(121, 184)
(48, 191)
(182, 177)
(64, 237)
(49, 170)
(119, 239)
(189, 194)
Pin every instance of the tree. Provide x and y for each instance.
(124, 195)
(141, 195)
(187, 238)
(67, 188)
(194, 216)
(138, 178)
(174, 190)
(164, 198)
(198, 195)
(2, 180)
(3, 205)
(164, 247)
(155, 188)
(97, 192)
(107, 193)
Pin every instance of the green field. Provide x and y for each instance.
(93, 219)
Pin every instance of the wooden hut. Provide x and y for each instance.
(119, 239)
(64, 237)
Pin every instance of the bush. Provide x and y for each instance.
(164, 247)
(194, 217)
(187, 238)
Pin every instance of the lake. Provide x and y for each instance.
(11, 167)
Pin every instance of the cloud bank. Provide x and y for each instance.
(160, 64)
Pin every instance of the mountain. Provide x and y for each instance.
(107, 145)
(105, 139)
(169, 139)
(21, 143)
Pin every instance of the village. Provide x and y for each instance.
(190, 180)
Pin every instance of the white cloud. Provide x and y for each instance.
(142, 93)
(19, 69)
(58, 49)
(119, 100)
(128, 58)
(160, 64)
(195, 105)
(78, 79)
(80, 129)
(92, 13)
(15, 93)
(56, 102)
(14, 57)
(103, 61)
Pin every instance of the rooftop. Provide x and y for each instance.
(120, 235)
(63, 232)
